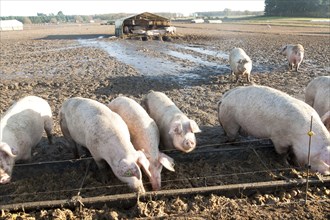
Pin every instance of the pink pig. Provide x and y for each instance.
(144, 136)
(264, 112)
(294, 54)
(21, 129)
(105, 134)
(176, 129)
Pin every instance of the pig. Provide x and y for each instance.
(22, 128)
(317, 94)
(105, 134)
(294, 54)
(326, 120)
(240, 63)
(144, 136)
(170, 29)
(176, 129)
(264, 112)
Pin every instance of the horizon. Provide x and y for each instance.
(31, 8)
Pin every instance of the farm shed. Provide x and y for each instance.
(10, 25)
(140, 24)
(197, 21)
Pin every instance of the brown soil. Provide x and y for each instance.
(49, 61)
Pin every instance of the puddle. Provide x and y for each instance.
(131, 55)
(146, 58)
(190, 58)
(201, 50)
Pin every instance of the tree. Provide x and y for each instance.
(297, 8)
(227, 12)
(60, 17)
(53, 20)
(27, 20)
(78, 19)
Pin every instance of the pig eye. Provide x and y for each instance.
(178, 130)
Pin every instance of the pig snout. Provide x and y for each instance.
(4, 178)
(189, 145)
(321, 167)
(155, 179)
(156, 182)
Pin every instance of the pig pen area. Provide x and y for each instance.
(62, 61)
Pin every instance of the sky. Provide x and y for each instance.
(78, 7)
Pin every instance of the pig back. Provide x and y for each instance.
(23, 123)
(92, 123)
(263, 111)
(143, 130)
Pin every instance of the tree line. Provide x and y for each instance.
(297, 8)
(42, 18)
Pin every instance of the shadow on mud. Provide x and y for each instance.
(142, 84)
(75, 36)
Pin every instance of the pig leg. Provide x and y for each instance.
(48, 126)
(237, 77)
(103, 171)
(280, 148)
(66, 134)
(248, 79)
(231, 129)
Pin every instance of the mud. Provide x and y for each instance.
(58, 62)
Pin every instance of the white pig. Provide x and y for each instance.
(294, 54)
(326, 120)
(144, 136)
(264, 112)
(240, 63)
(22, 127)
(105, 134)
(317, 94)
(176, 129)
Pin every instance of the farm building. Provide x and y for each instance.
(214, 21)
(10, 25)
(144, 23)
(199, 20)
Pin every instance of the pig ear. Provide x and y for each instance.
(283, 48)
(326, 118)
(11, 151)
(166, 161)
(143, 162)
(126, 169)
(176, 128)
(194, 127)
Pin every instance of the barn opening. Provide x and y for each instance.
(144, 25)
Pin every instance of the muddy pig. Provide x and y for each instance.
(317, 94)
(176, 129)
(264, 112)
(22, 127)
(240, 63)
(294, 54)
(144, 136)
(105, 134)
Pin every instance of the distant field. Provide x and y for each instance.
(285, 21)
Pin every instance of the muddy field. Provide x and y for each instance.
(58, 62)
